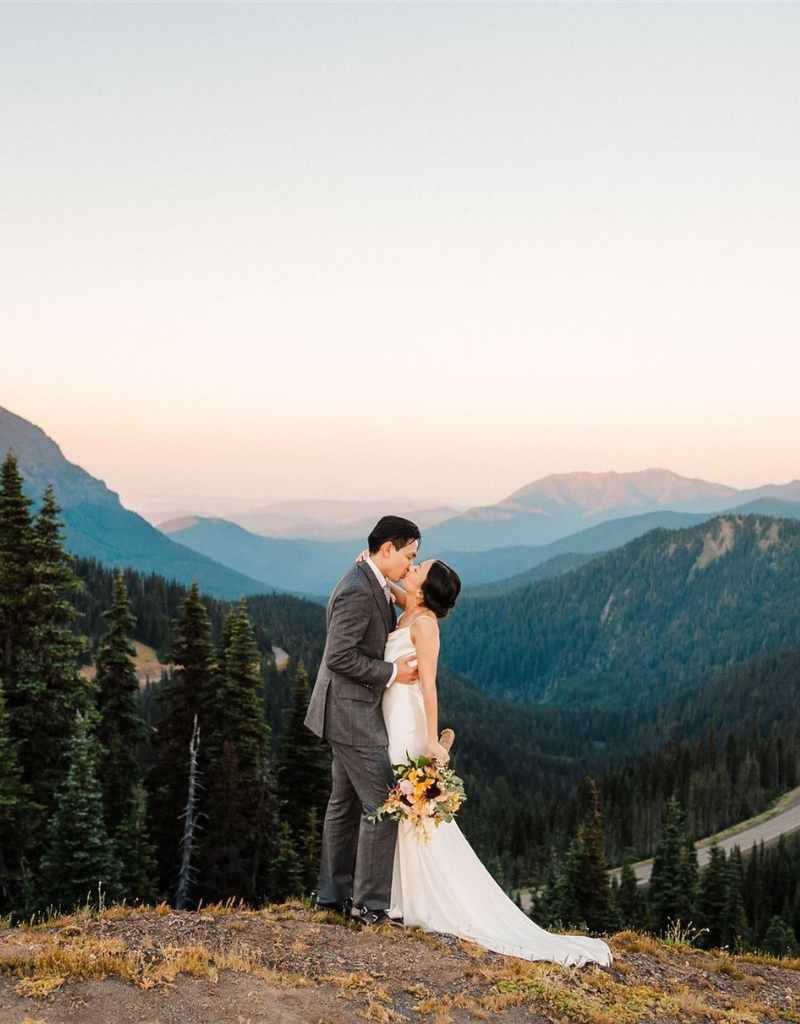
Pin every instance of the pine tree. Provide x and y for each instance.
(181, 700)
(303, 774)
(120, 729)
(629, 900)
(780, 939)
(588, 872)
(311, 845)
(713, 897)
(16, 559)
(16, 562)
(734, 918)
(688, 879)
(549, 899)
(671, 867)
(135, 852)
(79, 859)
(238, 745)
(50, 690)
(14, 800)
(286, 879)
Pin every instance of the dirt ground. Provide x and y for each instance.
(288, 965)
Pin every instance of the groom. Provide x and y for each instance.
(357, 855)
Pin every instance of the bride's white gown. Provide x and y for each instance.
(441, 885)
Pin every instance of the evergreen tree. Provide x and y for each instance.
(80, 854)
(780, 940)
(286, 875)
(50, 689)
(587, 872)
(180, 700)
(120, 729)
(135, 852)
(688, 879)
(311, 845)
(671, 867)
(16, 559)
(238, 743)
(735, 929)
(14, 801)
(713, 898)
(629, 900)
(303, 775)
(551, 897)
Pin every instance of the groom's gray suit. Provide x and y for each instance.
(357, 856)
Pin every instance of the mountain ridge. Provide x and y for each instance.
(560, 504)
(640, 622)
(97, 525)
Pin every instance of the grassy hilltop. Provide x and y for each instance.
(286, 964)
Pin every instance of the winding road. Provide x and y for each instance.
(780, 820)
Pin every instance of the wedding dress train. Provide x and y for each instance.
(441, 885)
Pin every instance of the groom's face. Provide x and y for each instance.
(398, 560)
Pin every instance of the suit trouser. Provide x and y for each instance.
(357, 855)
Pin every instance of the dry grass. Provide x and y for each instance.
(636, 942)
(359, 982)
(650, 981)
(727, 965)
(71, 954)
(590, 996)
(789, 963)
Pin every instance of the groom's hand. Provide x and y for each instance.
(407, 669)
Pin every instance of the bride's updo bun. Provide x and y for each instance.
(441, 588)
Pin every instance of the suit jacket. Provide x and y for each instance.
(345, 705)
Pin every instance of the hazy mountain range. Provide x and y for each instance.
(539, 513)
(313, 567)
(577, 514)
(334, 520)
(561, 504)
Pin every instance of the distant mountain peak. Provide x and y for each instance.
(599, 492)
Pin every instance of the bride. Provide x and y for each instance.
(441, 885)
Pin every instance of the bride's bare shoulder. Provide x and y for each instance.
(427, 623)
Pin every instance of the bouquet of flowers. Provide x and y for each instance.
(425, 791)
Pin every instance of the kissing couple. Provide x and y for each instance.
(375, 702)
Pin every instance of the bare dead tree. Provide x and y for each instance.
(190, 816)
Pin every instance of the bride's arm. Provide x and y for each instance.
(425, 637)
(398, 593)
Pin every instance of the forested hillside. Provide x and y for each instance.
(104, 782)
(641, 623)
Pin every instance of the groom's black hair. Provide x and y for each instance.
(394, 528)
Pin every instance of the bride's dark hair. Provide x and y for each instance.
(441, 588)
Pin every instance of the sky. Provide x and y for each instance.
(258, 252)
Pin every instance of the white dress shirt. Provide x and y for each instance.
(385, 588)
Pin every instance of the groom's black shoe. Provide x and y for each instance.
(377, 917)
(342, 908)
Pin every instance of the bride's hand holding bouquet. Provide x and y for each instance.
(426, 792)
